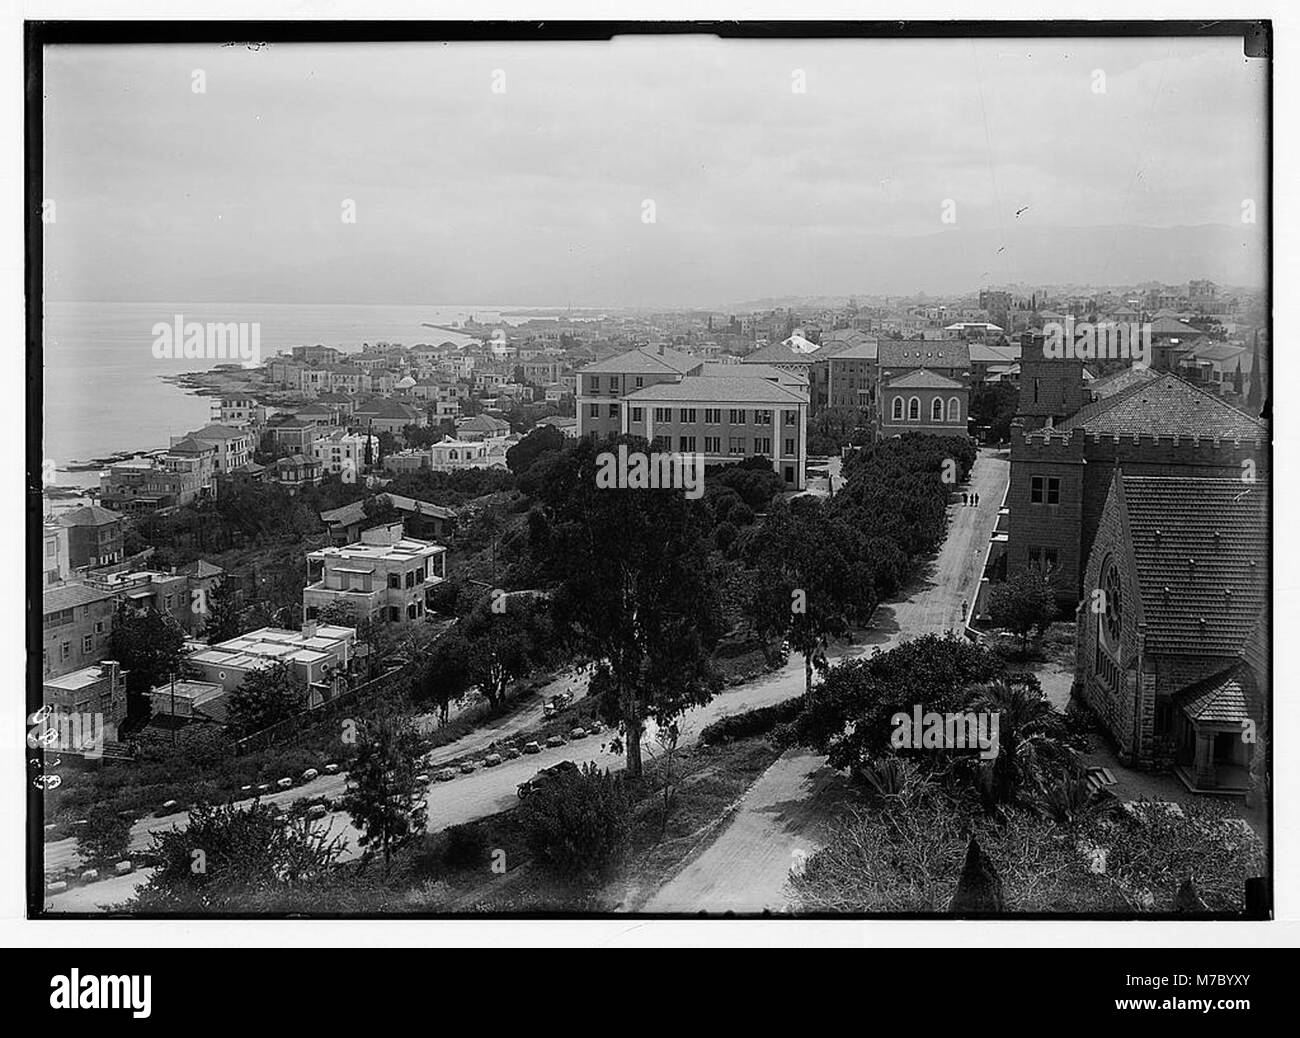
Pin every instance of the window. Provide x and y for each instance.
(99, 626)
(791, 417)
(65, 650)
(663, 414)
(898, 409)
(789, 446)
(86, 643)
(763, 445)
(410, 578)
(713, 416)
(736, 445)
(686, 443)
(640, 382)
(638, 414)
(914, 409)
(410, 611)
(688, 415)
(762, 417)
(936, 410)
(613, 385)
(394, 613)
(595, 383)
(737, 417)
(395, 580)
(713, 445)
(51, 549)
(613, 410)
(954, 409)
(1044, 490)
(593, 410)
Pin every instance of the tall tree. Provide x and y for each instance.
(150, 648)
(266, 697)
(221, 622)
(638, 592)
(383, 797)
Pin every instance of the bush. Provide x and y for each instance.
(578, 825)
(466, 845)
(749, 723)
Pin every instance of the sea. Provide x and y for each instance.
(104, 390)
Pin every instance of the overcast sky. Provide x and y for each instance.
(535, 195)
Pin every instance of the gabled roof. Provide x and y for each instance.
(779, 353)
(69, 596)
(1201, 551)
(1173, 326)
(923, 379)
(896, 353)
(986, 353)
(1229, 697)
(382, 407)
(1167, 406)
(90, 515)
(220, 432)
(190, 445)
(644, 360)
(1126, 378)
(201, 568)
(868, 349)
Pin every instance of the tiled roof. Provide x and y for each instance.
(984, 353)
(1167, 406)
(779, 353)
(923, 379)
(767, 371)
(201, 568)
(868, 350)
(644, 360)
(1173, 326)
(69, 596)
(1119, 381)
(382, 407)
(220, 432)
(1228, 697)
(90, 515)
(190, 445)
(896, 353)
(1201, 548)
(722, 390)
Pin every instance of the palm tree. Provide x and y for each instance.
(1031, 740)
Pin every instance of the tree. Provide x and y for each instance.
(383, 797)
(578, 824)
(544, 438)
(1024, 602)
(227, 853)
(104, 838)
(150, 648)
(266, 697)
(446, 676)
(638, 591)
(502, 647)
(807, 583)
(222, 619)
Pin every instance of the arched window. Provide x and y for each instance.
(936, 410)
(954, 410)
(898, 408)
(914, 409)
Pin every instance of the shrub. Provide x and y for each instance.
(749, 723)
(578, 825)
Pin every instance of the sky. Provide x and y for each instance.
(520, 173)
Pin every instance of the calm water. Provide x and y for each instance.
(103, 388)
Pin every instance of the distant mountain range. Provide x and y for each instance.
(956, 261)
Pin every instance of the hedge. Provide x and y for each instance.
(751, 722)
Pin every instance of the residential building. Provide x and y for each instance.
(296, 471)
(384, 576)
(233, 445)
(317, 655)
(54, 554)
(76, 624)
(602, 385)
(344, 453)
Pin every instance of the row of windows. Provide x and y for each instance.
(690, 415)
(739, 446)
(936, 409)
(413, 577)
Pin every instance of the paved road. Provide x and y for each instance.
(746, 868)
(933, 605)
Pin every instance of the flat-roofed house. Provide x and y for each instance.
(384, 577)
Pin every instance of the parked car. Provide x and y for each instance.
(532, 747)
(492, 760)
(547, 776)
(446, 775)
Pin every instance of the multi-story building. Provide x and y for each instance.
(851, 372)
(383, 577)
(54, 554)
(233, 445)
(238, 411)
(385, 415)
(923, 401)
(344, 453)
(602, 385)
(296, 471)
(76, 624)
(182, 475)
